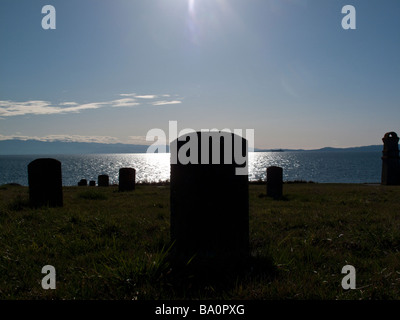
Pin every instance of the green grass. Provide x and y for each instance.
(106, 244)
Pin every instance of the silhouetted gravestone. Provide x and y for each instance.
(103, 180)
(127, 179)
(390, 159)
(209, 202)
(45, 183)
(82, 183)
(274, 182)
(92, 183)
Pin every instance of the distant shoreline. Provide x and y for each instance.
(35, 147)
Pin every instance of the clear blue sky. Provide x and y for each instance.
(113, 70)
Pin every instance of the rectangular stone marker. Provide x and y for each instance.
(127, 179)
(390, 160)
(82, 183)
(45, 183)
(103, 180)
(92, 183)
(274, 182)
(209, 202)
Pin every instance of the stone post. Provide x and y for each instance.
(45, 183)
(127, 179)
(274, 182)
(82, 183)
(390, 160)
(103, 180)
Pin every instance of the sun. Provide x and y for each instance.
(191, 4)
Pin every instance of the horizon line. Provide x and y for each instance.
(259, 149)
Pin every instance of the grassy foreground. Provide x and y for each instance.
(110, 245)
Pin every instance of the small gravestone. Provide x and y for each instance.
(45, 183)
(390, 160)
(209, 201)
(127, 179)
(92, 183)
(82, 183)
(274, 182)
(103, 180)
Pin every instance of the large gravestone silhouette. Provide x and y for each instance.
(103, 180)
(390, 160)
(274, 182)
(127, 179)
(45, 183)
(209, 201)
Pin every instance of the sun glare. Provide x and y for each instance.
(191, 6)
(206, 15)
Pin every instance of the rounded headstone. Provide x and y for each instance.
(45, 183)
(390, 160)
(127, 179)
(103, 180)
(92, 183)
(274, 182)
(209, 201)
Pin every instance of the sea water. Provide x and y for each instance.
(316, 166)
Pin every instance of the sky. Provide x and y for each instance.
(113, 70)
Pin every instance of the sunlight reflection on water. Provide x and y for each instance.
(335, 167)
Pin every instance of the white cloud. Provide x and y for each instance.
(164, 102)
(10, 108)
(147, 96)
(127, 94)
(127, 102)
(38, 107)
(143, 96)
(77, 108)
(68, 104)
(78, 138)
(138, 140)
(63, 138)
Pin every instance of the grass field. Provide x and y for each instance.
(105, 244)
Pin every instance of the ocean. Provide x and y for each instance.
(316, 166)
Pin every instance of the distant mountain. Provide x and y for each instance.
(372, 148)
(23, 147)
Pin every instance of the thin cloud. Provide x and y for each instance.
(162, 103)
(128, 94)
(143, 96)
(138, 140)
(68, 104)
(81, 107)
(127, 102)
(63, 138)
(38, 107)
(148, 96)
(10, 108)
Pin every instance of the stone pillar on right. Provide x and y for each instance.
(390, 159)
